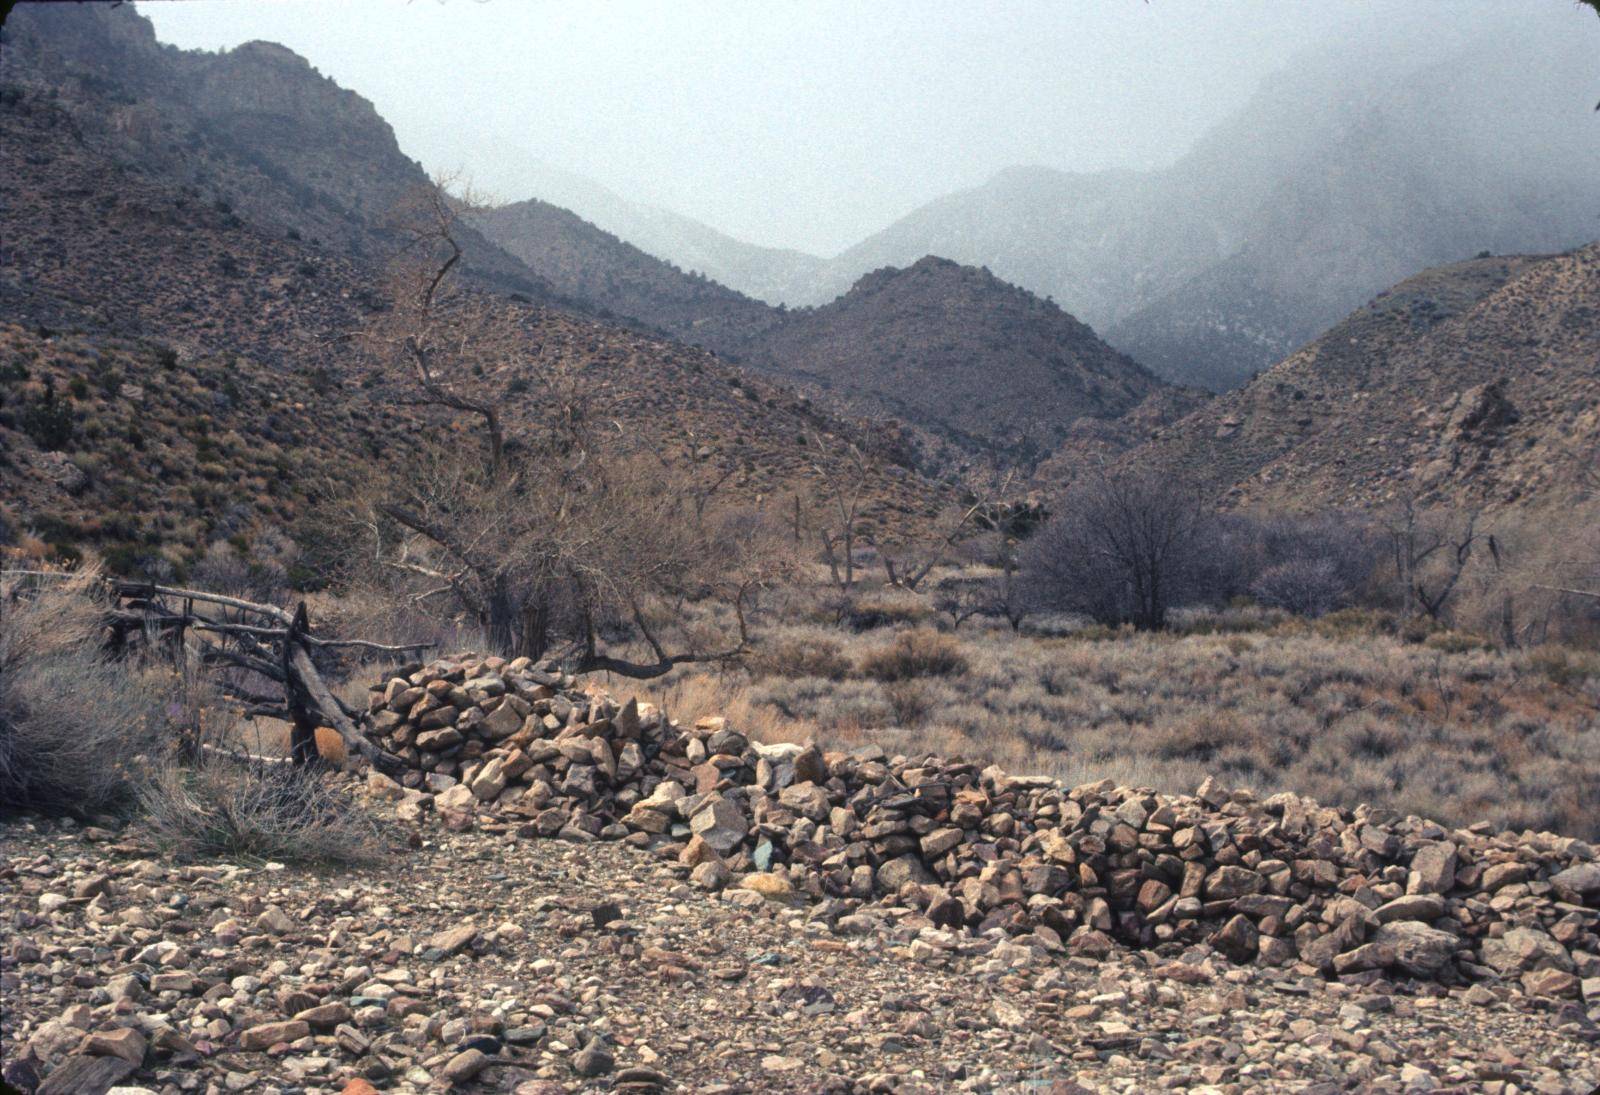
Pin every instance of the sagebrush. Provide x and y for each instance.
(74, 722)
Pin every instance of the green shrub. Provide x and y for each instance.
(48, 421)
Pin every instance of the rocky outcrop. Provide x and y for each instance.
(1281, 882)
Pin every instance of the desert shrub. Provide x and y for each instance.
(48, 421)
(827, 705)
(916, 701)
(801, 656)
(1456, 642)
(255, 811)
(1354, 623)
(72, 720)
(921, 652)
(226, 569)
(1232, 620)
(867, 611)
(1563, 665)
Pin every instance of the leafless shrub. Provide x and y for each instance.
(921, 652)
(1537, 581)
(963, 598)
(1125, 547)
(1429, 553)
(1304, 586)
(223, 569)
(72, 720)
(255, 811)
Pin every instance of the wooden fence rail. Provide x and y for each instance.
(268, 640)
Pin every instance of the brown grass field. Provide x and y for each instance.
(1445, 727)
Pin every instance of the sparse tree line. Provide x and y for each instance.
(1127, 546)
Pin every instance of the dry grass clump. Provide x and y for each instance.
(871, 608)
(255, 811)
(801, 654)
(86, 733)
(72, 720)
(921, 652)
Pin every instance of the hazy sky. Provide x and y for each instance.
(805, 125)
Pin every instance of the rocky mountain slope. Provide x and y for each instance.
(254, 130)
(588, 264)
(263, 139)
(175, 371)
(971, 364)
(1344, 174)
(1473, 384)
(956, 351)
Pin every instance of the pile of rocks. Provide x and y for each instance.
(1281, 881)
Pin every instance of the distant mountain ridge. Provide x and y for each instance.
(767, 274)
(587, 263)
(1342, 175)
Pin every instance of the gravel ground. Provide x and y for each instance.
(489, 962)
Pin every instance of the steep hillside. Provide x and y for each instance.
(1345, 173)
(1473, 384)
(954, 350)
(584, 262)
(971, 364)
(256, 131)
(173, 373)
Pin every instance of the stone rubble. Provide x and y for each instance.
(481, 961)
(1281, 882)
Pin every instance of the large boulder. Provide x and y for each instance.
(720, 823)
(1418, 949)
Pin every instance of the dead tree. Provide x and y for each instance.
(960, 599)
(844, 490)
(907, 565)
(574, 536)
(1430, 555)
(1011, 599)
(446, 339)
